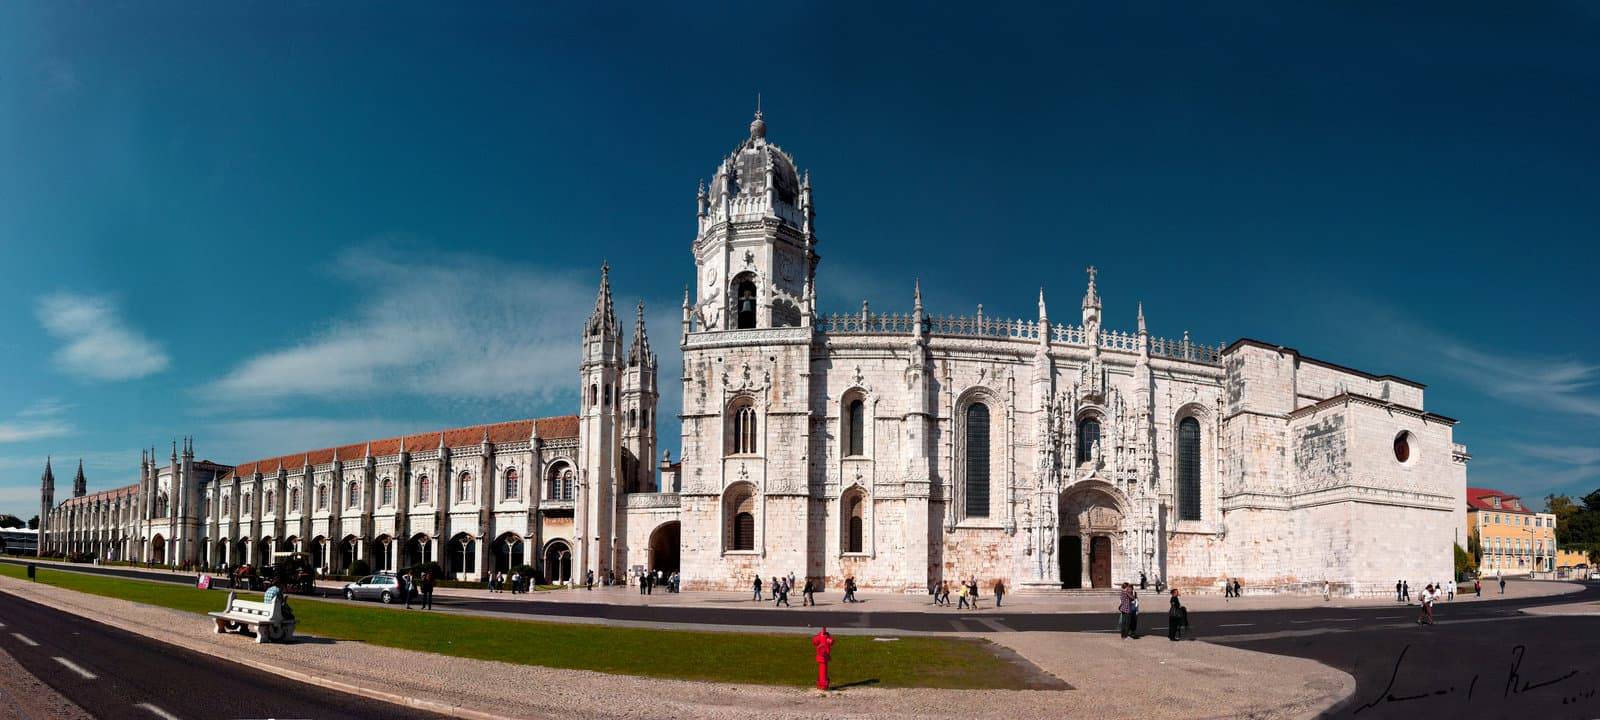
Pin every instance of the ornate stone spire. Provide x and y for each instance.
(1141, 319)
(48, 480)
(639, 352)
(604, 317)
(1091, 298)
(80, 486)
(758, 126)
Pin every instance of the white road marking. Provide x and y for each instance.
(991, 624)
(25, 639)
(77, 669)
(1389, 617)
(1236, 625)
(158, 712)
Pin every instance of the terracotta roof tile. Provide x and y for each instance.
(565, 426)
(1479, 499)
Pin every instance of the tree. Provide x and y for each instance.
(11, 521)
(33, 524)
(1464, 564)
(1564, 509)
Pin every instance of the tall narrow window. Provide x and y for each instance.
(1189, 469)
(387, 497)
(977, 460)
(271, 507)
(740, 512)
(854, 523)
(512, 483)
(744, 531)
(464, 487)
(855, 416)
(352, 497)
(245, 509)
(742, 430)
(294, 499)
(322, 497)
(1088, 438)
(566, 485)
(424, 490)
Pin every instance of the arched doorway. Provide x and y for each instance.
(557, 561)
(349, 548)
(1091, 523)
(265, 549)
(221, 558)
(461, 556)
(158, 550)
(417, 551)
(506, 553)
(319, 553)
(664, 543)
(382, 554)
(241, 551)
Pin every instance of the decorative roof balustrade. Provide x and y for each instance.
(867, 322)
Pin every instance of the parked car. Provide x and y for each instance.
(383, 587)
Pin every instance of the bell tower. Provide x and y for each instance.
(755, 244)
(600, 372)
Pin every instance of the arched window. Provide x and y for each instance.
(227, 505)
(352, 495)
(512, 484)
(740, 509)
(1088, 438)
(594, 395)
(855, 418)
(424, 490)
(294, 499)
(608, 394)
(566, 485)
(1188, 469)
(745, 304)
(742, 427)
(322, 497)
(644, 419)
(633, 418)
(270, 506)
(464, 486)
(244, 509)
(977, 460)
(386, 492)
(854, 512)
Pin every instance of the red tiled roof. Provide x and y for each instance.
(565, 426)
(1479, 499)
(111, 494)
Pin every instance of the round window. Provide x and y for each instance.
(1402, 447)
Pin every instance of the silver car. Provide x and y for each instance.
(383, 587)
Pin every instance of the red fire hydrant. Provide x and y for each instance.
(824, 644)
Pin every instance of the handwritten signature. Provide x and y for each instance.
(1516, 684)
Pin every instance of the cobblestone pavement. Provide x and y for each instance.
(1148, 678)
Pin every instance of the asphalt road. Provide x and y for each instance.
(116, 674)
(1468, 665)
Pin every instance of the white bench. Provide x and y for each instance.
(271, 620)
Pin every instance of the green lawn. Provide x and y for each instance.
(715, 656)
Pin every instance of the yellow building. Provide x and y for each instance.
(1571, 558)
(1514, 539)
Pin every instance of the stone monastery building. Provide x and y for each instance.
(899, 448)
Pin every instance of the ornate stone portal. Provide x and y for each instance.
(1092, 536)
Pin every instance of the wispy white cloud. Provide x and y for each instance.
(99, 345)
(39, 421)
(1550, 383)
(238, 441)
(1567, 454)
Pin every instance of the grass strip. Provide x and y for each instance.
(766, 659)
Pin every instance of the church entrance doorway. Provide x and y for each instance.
(664, 549)
(1091, 523)
(1100, 561)
(1071, 562)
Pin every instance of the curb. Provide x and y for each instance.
(348, 688)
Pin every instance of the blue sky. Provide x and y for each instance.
(278, 226)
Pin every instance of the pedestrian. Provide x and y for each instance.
(808, 594)
(1227, 589)
(850, 589)
(588, 580)
(406, 588)
(1450, 588)
(650, 584)
(972, 582)
(757, 587)
(1143, 582)
(1477, 586)
(1238, 589)
(1405, 591)
(1127, 618)
(961, 599)
(823, 642)
(1502, 584)
(1425, 599)
(1397, 589)
(944, 593)
(999, 592)
(1177, 618)
(791, 579)
(427, 589)
(783, 596)
(1327, 590)
(774, 589)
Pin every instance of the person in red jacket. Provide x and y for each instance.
(824, 644)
